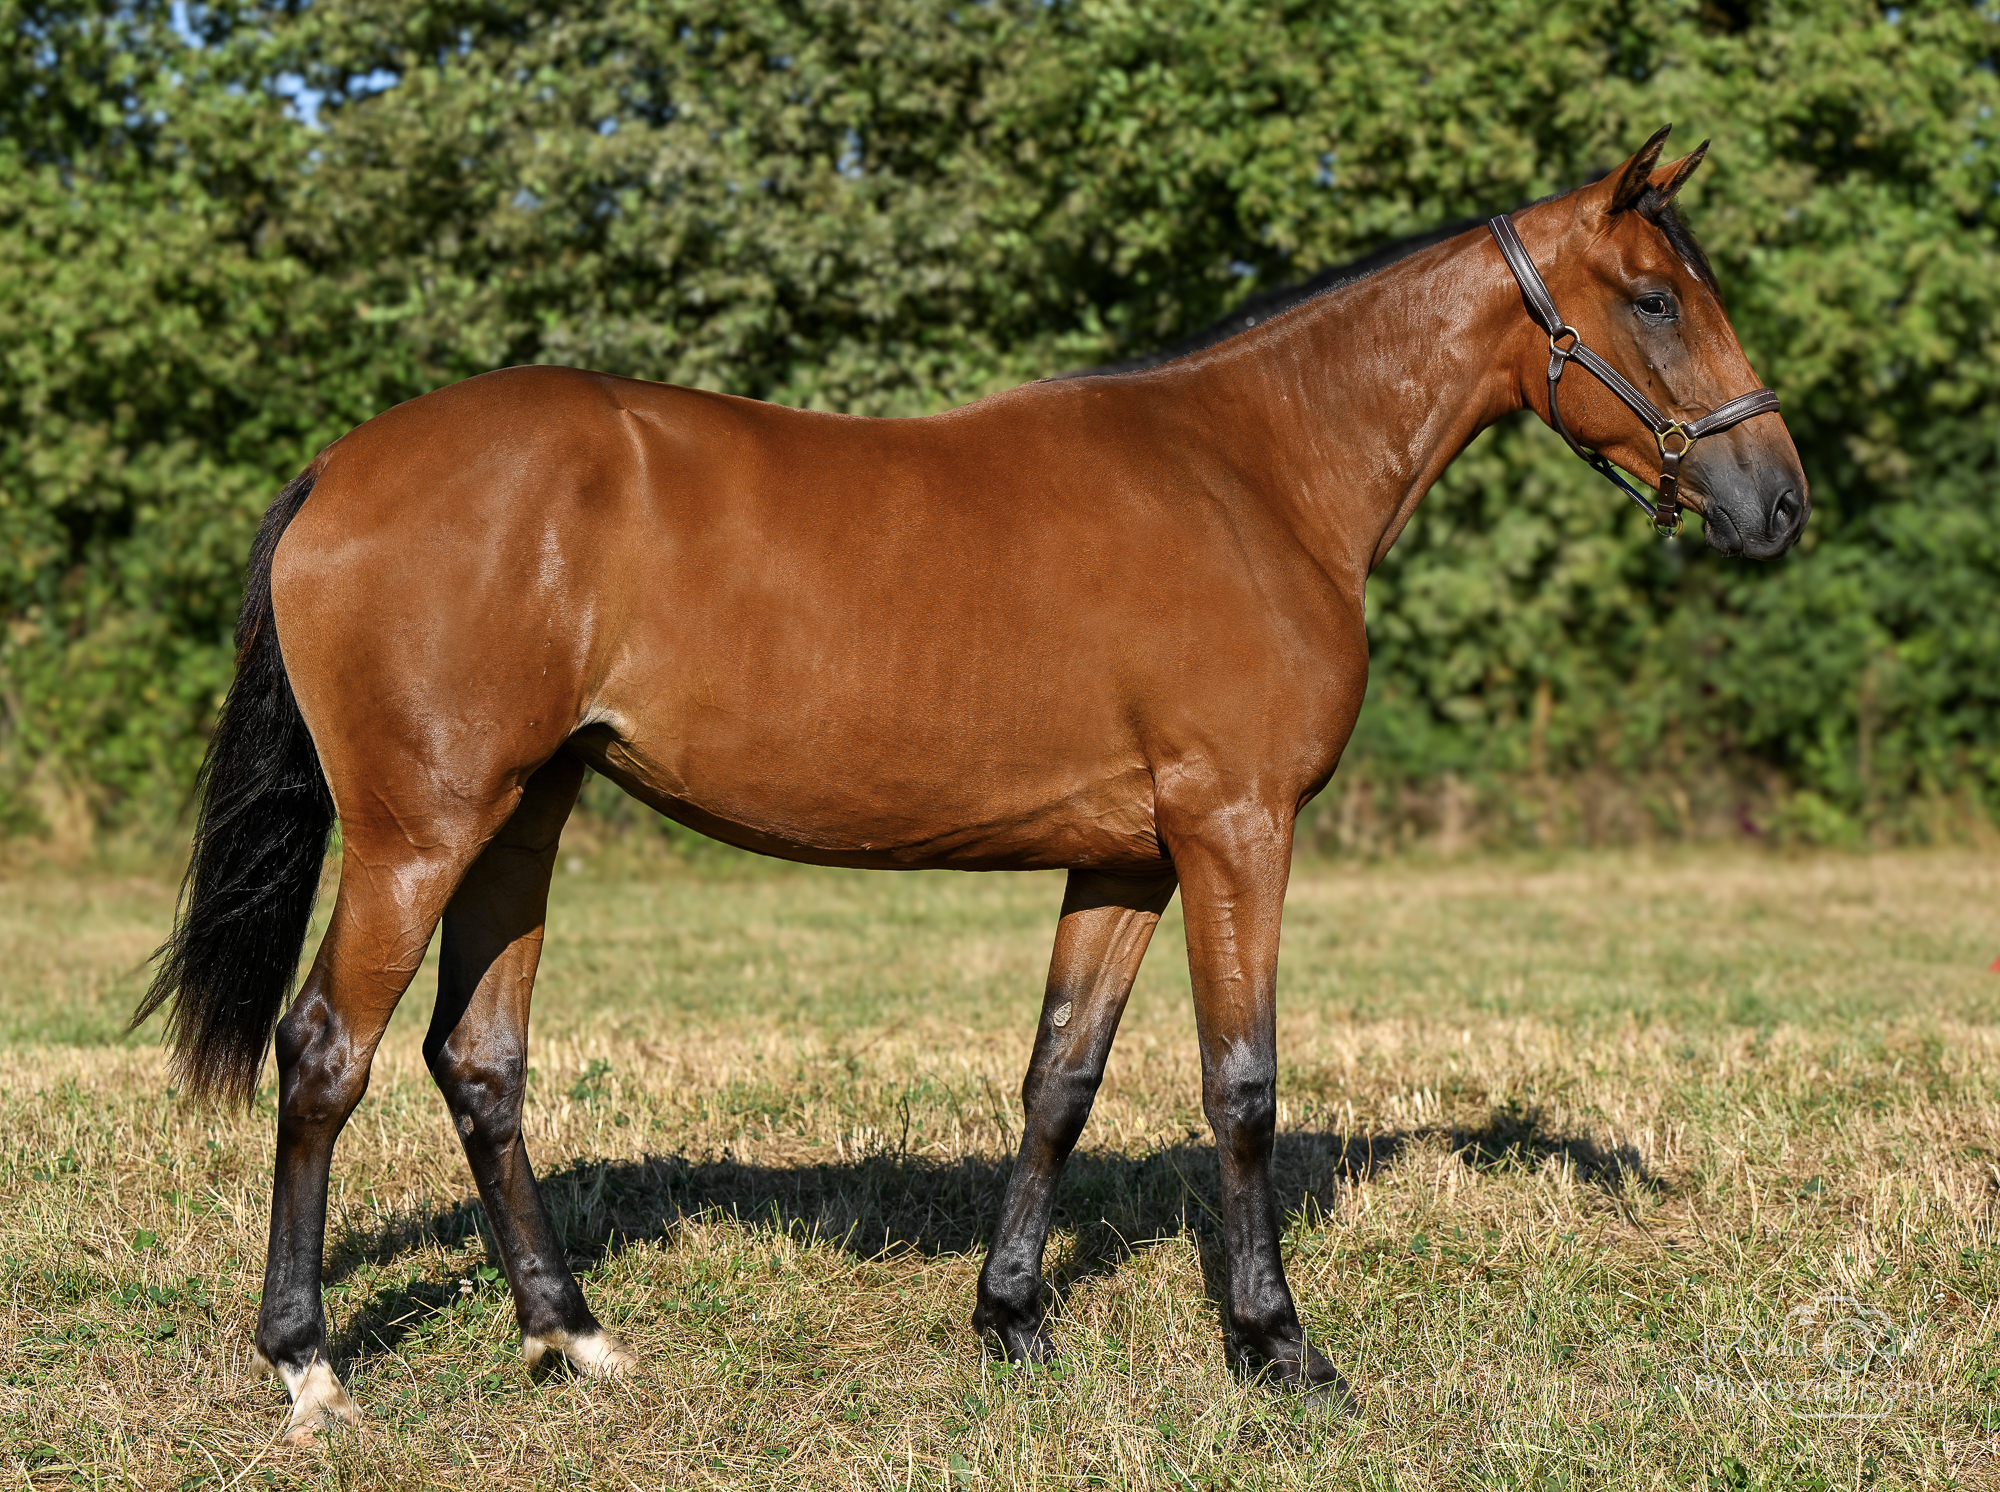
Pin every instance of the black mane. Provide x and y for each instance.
(1657, 210)
(1261, 308)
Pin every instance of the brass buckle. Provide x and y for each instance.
(1674, 427)
(1575, 341)
(1663, 525)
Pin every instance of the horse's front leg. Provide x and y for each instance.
(1233, 865)
(1106, 923)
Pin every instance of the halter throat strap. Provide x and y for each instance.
(1676, 437)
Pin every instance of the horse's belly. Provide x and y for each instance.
(902, 812)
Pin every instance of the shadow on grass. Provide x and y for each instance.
(885, 1204)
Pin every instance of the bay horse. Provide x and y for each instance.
(1111, 625)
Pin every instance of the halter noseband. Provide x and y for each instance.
(1666, 514)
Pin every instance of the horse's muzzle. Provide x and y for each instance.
(1755, 508)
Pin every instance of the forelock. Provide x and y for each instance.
(1661, 213)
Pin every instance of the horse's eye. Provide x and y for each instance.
(1656, 305)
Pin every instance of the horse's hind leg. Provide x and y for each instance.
(478, 1052)
(1106, 923)
(394, 882)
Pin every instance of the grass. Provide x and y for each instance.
(1600, 1171)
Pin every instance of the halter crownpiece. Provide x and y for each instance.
(1676, 437)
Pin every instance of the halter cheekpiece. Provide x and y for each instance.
(1676, 437)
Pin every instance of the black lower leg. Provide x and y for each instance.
(485, 1098)
(1058, 1103)
(1263, 1321)
(1107, 922)
(323, 1072)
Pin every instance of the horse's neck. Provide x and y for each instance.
(1368, 393)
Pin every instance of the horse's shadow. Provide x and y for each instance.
(886, 1203)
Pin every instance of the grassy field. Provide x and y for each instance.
(1601, 1171)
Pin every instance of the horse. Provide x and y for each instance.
(1111, 625)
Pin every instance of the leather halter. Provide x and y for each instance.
(1676, 437)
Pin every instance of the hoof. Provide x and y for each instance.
(318, 1401)
(1301, 1370)
(595, 1354)
(1024, 1342)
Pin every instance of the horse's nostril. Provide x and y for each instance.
(1783, 510)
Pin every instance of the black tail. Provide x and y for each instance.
(258, 845)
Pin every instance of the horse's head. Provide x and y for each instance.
(1631, 281)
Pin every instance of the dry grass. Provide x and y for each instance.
(1567, 1145)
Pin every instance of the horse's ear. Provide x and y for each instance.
(1636, 175)
(1670, 179)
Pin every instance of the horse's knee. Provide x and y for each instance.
(484, 1091)
(1058, 1093)
(1058, 1101)
(1240, 1096)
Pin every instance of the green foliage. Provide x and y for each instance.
(899, 206)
